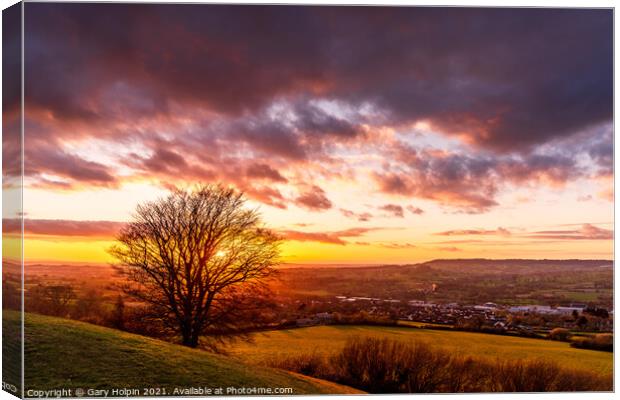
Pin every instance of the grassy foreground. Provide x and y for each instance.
(60, 353)
(272, 345)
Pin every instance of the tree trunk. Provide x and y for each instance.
(189, 337)
(186, 334)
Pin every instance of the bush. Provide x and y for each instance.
(50, 299)
(544, 376)
(601, 341)
(312, 364)
(364, 318)
(388, 366)
(89, 308)
(560, 334)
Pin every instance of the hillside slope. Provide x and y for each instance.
(62, 353)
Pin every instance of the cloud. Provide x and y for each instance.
(362, 217)
(60, 227)
(164, 159)
(471, 232)
(264, 171)
(397, 246)
(449, 249)
(470, 182)
(586, 232)
(263, 96)
(222, 58)
(459, 181)
(56, 162)
(463, 241)
(393, 209)
(314, 199)
(415, 210)
(326, 237)
(266, 195)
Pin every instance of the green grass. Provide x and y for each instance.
(325, 339)
(417, 324)
(60, 353)
(11, 349)
(579, 296)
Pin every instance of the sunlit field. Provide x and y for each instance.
(325, 339)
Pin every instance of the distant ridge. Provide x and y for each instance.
(447, 261)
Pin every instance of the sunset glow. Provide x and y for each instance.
(362, 136)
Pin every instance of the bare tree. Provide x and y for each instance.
(195, 258)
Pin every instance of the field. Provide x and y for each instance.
(278, 344)
(68, 354)
(472, 281)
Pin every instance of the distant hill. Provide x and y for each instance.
(521, 261)
(477, 262)
(467, 281)
(63, 353)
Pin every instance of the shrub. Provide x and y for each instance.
(601, 341)
(560, 334)
(364, 318)
(312, 364)
(89, 308)
(387, 366)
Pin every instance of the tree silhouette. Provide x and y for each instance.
(197, 258)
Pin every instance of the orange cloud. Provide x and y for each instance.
(62, 227)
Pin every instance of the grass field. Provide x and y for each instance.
(61, 353)
(417, 324)
(278, 344)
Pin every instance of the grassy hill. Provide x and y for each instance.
(284, 343)
(60, 353)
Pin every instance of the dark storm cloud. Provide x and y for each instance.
(269, 137)
(262, 96)
(505, 79)
(313, 121)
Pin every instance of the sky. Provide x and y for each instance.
(362, 134)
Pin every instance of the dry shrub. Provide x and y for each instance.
(312, 364)
(387, 366)
(601, 341)
(561, 334)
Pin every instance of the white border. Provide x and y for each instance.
(479, 3)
